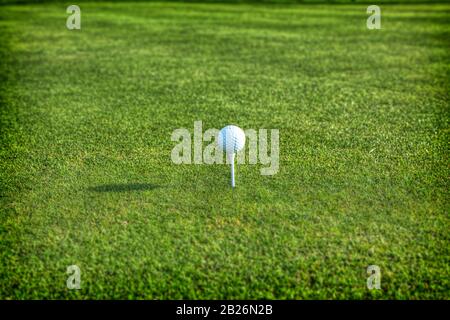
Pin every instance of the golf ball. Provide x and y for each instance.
(231, 139)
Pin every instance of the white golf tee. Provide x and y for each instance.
(231, 159)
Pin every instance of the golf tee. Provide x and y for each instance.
(232, 169)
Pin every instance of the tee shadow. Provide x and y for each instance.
(124, 187)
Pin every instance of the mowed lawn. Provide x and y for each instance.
(87, 178)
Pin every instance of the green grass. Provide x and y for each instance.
(86, 175)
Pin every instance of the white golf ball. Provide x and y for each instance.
(231, 139)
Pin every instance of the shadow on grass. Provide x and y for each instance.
(124, 187)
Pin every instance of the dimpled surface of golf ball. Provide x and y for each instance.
(231, 139)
